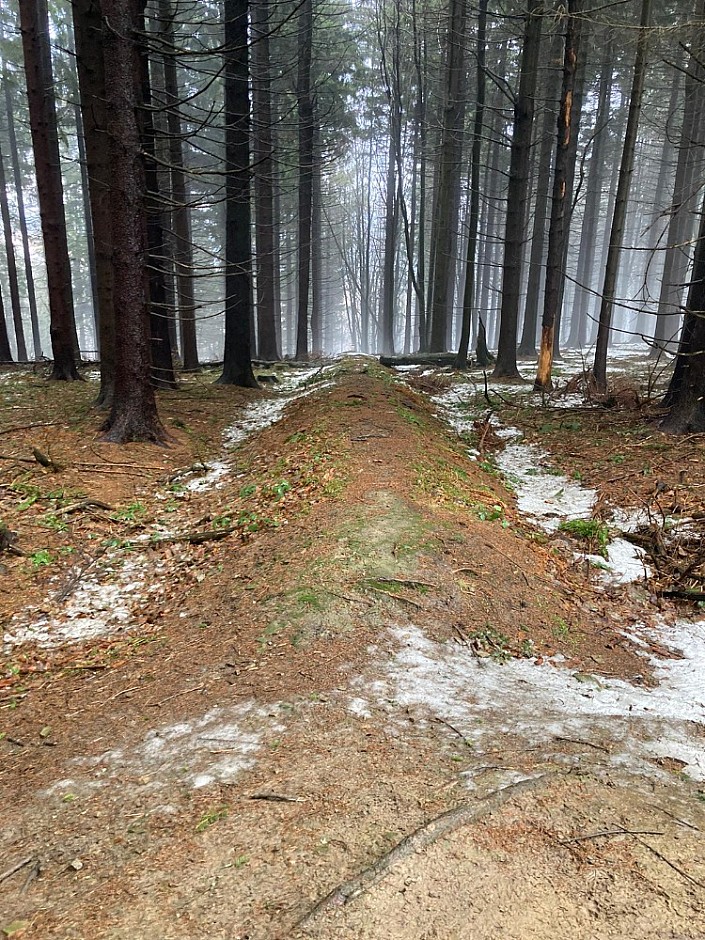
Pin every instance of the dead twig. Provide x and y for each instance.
(598, 747)
(16, 867)
(276, 798)
(667, 861)
(609, 834)
(418, 840)
(198, 688)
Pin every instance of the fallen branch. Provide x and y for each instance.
(195, 538)
(418, 840)
(667, 861)
(276, 798)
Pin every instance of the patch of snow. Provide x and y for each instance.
(482, 698)
(215, 748)
(548, 499)
(101, 604)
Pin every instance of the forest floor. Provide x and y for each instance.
(365, 654)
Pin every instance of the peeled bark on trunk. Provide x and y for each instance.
(620, 207)
(19, 196)
(686, 393)
(267, 308)
(90, 67)
(34, 26)
(12, 267)
(461, 361)
(237, 364)
(517, 196)
(562, 197)
(133, 415)
(304, 102)
(183, 255)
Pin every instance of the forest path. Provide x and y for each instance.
(382, 637)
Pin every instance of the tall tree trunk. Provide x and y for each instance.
(620, 208)
(517, 196)
(90, 67)
(386, 313)
(265, 242)
(562, 198)
(90, 238)
(527, 345)
(34, 25)
(593, 196)
(237, 364)
(686, 393)
(461, 361)
(305, 115)
(445, 220)
(317, 305)
(181, 214)
(163, 374)
(133, 415)
(12, 268)
(677, 255)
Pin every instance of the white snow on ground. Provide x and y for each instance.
(481, 698)
(214, 748)
(102, 603)
(546, 497)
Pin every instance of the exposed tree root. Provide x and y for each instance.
(420, 839)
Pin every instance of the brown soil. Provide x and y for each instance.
(355, 512)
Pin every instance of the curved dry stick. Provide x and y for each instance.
(421, 838)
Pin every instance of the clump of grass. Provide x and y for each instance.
(592, 531)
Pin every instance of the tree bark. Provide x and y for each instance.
(181, 215)
(305, 116)
(593, 197)
(87, 25)
(461, 361)
(19, 196)
(34, 26)
(267, 309)
(527, 345)
(5, 351)
(686, 393)
(517, 196)
(445, 220)
(562, 197)
(237, 364)
(677, 255)
(12, 267)
(133, 415)
(620, 207)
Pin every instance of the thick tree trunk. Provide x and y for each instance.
(686, 393)
(562, 198)
(305, 115)
(12, 267)
(88, 24)
(461, 361)
(445, 219)
(181, 219)
(21, 215)
(267, 309)
(34, 25)
(517, 196)
(133, 415)
(386, 313)
(317, 305)
(237, 365)
(620, 207)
